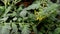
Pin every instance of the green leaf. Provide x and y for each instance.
(14, 28)
(6, 28)
(33, 6)
(1, 10)
(25, 29)
(7, 10)
(35, 29)
(57, 31)
(23, 13)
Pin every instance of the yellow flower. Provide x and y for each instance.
(38, 16)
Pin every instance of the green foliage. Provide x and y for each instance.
(19, 20)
